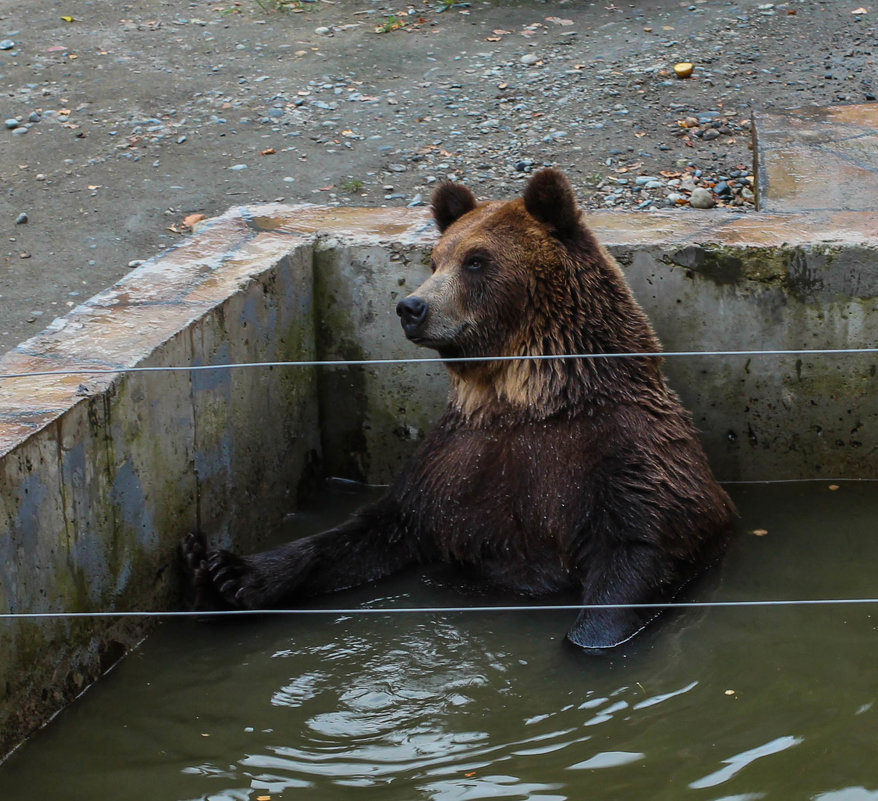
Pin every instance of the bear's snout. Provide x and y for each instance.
(412, 312)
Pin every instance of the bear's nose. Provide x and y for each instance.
(412, 312)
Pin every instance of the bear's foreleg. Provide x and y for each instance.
(368, 546)
(627, 575)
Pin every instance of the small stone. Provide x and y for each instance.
(238, 167)
(684, 69)
(11, 123)
(34, 116)
(417, 200)
(21, 219)
(134, 263)
(529, 59)
(21, 131)
(396, 168)
(323, 31)
(711, 134)
(701, 199)
(181, 139)
(722, 188)
(7, 44)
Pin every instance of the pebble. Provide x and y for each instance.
(701, 199)
(7, 44)
(238, 167)
(323, 31)
(21, 219)
(131, 265)
(529, 59)
(21, 130)
(11, 123)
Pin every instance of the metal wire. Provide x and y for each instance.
(438, 610)
(438, 360)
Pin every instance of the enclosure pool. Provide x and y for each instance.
(755, 702)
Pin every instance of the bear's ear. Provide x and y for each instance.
(450, 202)
(549, 197)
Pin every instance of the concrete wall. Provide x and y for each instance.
(100, 475)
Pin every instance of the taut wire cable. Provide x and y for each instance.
(439, 360)
(409, 610)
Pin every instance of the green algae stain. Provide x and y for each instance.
(799, 270)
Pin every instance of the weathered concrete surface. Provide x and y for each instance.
(818, 157)
(100, 475)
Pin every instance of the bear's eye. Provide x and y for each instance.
(474, 264)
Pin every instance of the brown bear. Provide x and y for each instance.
(543, 475)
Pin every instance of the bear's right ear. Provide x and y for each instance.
(450, 202)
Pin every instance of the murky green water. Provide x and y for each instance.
(732, 704)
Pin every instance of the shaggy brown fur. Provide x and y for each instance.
(543, 475)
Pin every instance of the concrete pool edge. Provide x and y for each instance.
(100, 475)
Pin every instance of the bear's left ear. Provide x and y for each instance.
(450, 202)
(549, 197)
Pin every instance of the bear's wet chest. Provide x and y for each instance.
(507, 502)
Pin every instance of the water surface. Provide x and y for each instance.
(731, 704)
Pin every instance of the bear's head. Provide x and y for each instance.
(521, 278)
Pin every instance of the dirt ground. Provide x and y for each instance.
(124, 118)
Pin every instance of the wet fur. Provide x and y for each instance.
(551, 475)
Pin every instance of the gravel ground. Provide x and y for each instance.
(123, 119)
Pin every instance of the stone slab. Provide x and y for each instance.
(818, 158)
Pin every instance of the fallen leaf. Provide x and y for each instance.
(759, 532)
(191, 219)
(269, 151)
(833, 487)
(559, 21)
(95, 186)
(860, 10)
(68, 19)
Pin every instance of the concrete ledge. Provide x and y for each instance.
(100, 475)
